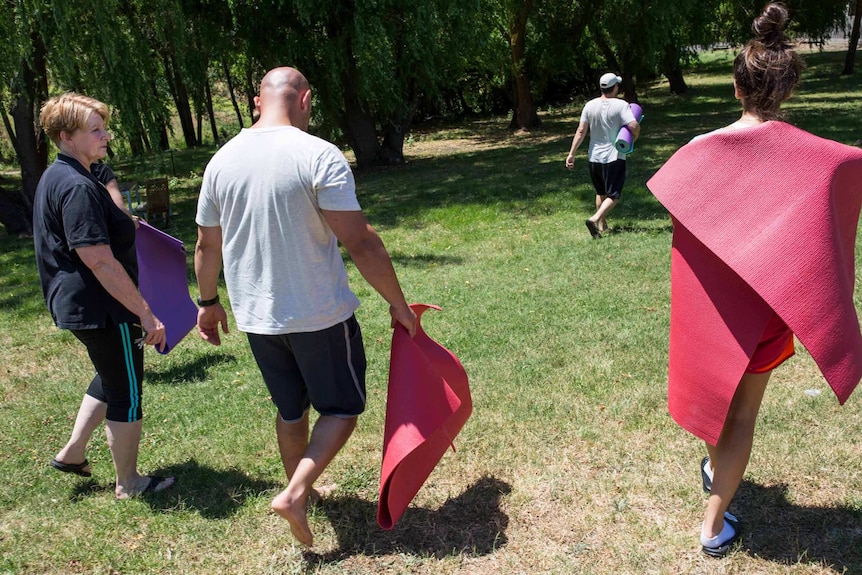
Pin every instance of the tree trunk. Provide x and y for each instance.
(209, 100)
(394, 132)
(524, 116)
(13, 214)
(361, 133)
(10, 131)
(849, 60)
(676, 82)
(164, 142)
(358, 124)
(180, 94)
(672, 70)
(232, 95)
(250, 91)
(392, 148)
(200, 126)
(606, 49)
(628, 86)
(136, 143)
(31, 145)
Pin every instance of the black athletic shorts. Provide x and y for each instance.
(608, 179)
(324, 369)
(119, 362)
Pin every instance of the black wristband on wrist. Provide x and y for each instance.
(207, 302)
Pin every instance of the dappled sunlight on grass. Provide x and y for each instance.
(570, 462)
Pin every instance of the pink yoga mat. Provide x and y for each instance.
(427, 405)
(163, 282)
(765, 222)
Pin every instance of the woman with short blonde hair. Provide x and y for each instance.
(88, 267)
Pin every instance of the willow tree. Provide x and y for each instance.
(23, 70)
(370, 63)
(113, 61)
(516, 14)
(811, 20)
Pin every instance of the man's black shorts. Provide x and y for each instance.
(608, 179)
(324, 369)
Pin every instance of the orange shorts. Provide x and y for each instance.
(774, 348)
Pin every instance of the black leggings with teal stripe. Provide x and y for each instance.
(119, 363)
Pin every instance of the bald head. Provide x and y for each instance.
(285, 99)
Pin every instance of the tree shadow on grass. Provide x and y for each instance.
(786, 533)
(517, 181)
(471, 523)
(211, 493)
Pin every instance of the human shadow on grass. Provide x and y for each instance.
(471, 523)
(211, 493)
(787, 533)
(423, 260)
(193, 371)
(633, 228)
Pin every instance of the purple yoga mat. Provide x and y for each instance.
(163, 282)
(625, 142)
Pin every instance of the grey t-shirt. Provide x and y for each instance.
(606, 116)
(265, 189)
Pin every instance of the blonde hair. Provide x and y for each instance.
(768, 68)
(68, 112)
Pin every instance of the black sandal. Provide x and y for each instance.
(707, 482)
(594, 229)
(76, 468)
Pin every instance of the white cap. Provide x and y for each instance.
(609, 80)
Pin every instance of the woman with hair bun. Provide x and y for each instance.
(765, 218)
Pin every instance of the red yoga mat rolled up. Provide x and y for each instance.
(427, 405)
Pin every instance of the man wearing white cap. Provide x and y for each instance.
(603, 117)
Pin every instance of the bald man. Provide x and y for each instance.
(274, 203)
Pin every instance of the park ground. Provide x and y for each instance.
(570, 462)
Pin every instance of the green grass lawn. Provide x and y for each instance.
(570, 462)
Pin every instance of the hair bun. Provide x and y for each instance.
(769, 26)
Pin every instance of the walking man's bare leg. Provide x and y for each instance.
(327, 438)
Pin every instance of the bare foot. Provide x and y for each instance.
(145, 484)
(294, 510)
(317, 494)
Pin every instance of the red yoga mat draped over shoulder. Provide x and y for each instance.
(427, 405)
(765, 221)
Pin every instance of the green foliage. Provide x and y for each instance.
(388, 60)
(569, 463)
(386, 53)
(813, 20)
